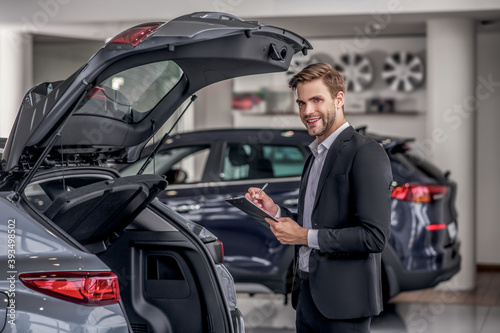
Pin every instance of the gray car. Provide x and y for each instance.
(85, 250)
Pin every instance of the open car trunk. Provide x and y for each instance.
(105, 113)
(113, 105)
(164, 271)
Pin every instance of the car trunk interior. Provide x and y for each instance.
(163, 276)
(166, 284)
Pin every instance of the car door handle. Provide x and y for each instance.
(291, 202)
(186, 208)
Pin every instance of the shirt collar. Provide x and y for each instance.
(318, 148)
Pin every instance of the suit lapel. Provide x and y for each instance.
(333, 152)
(303, 185)
(305, 173)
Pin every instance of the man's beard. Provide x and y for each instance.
(328, 123)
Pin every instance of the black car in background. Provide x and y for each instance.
(204, 168)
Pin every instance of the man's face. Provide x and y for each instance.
(318, 110)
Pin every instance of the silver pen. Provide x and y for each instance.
(262, 189)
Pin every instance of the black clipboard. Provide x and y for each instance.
(246, 205)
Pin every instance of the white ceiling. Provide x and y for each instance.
(99, 20)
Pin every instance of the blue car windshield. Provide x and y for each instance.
(131, 94)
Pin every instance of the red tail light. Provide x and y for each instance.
(137, 34)
(435, 227)
(419, 193)
(86, 288)
(97, 93)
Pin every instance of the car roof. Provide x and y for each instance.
(261, 135)
(265, 135)
(243, 135)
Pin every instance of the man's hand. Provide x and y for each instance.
(287, 231)
(262, 200)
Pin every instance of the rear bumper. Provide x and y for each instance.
(400, 279)
(414, 280)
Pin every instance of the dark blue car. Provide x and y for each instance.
(204, 168)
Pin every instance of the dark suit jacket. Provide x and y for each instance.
(352, 212)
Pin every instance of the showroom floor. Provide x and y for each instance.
(431, 310)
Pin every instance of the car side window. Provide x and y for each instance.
(179, 165)
(249, 161)
(190, 168)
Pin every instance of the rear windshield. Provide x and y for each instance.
(404, 170)
(131, 94)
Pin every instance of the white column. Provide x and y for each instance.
(451, 82)
(16, 72)
(213, 106)
(488, 154)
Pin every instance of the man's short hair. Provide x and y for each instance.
(331, 77)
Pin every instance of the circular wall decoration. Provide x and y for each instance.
(403, 71)
(357, 71)
(300, 61)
